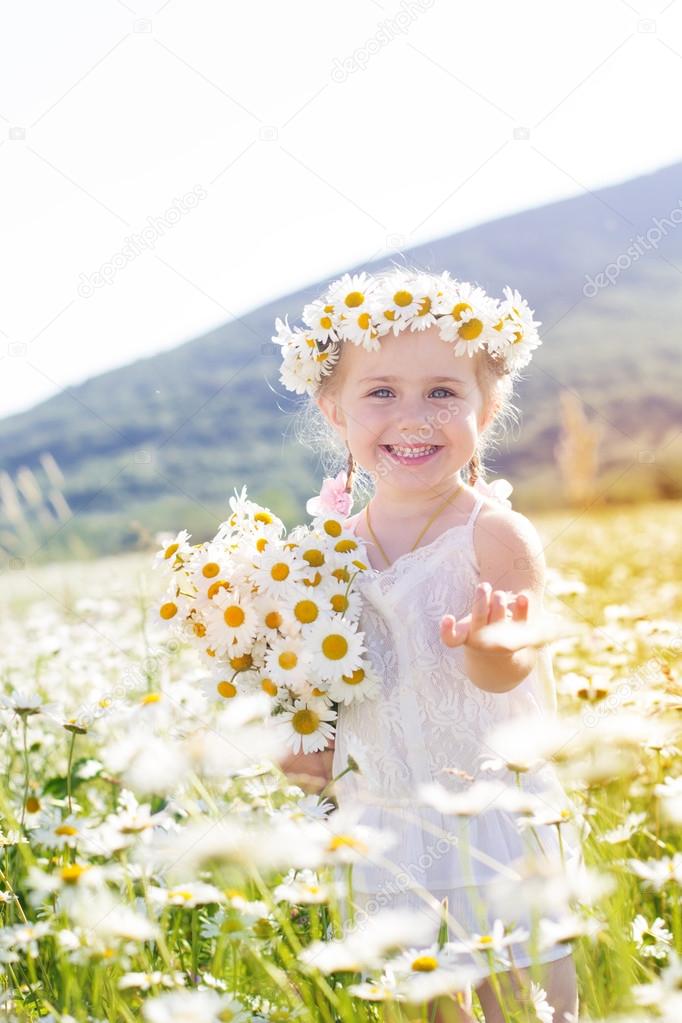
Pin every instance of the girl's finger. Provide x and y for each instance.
(453, 632)
(479, 607)
(521, 607)
(498, 606)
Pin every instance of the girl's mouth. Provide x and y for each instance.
(411, 454)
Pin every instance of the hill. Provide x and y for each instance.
(162, 442)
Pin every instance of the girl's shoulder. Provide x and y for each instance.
(504, 536)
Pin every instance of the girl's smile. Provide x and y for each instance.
(406, 454)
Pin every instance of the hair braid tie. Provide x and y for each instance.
(474, 468)
(350, 471)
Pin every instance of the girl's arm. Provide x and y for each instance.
(511, 586)
(312, 771)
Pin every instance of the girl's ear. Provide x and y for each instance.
(331, 411)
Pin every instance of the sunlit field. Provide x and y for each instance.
(157, 863)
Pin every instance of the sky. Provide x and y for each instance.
(168, 166)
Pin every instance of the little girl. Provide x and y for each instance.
(451, 600)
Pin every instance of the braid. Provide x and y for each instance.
(474, 468)
(350, 472)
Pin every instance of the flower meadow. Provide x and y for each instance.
(157, 863)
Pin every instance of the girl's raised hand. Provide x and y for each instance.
(500, 622)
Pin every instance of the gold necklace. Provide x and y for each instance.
(432, 519)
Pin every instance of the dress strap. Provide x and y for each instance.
(475, 510)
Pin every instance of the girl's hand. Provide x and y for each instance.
(499, 623)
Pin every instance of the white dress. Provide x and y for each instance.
(429, 715)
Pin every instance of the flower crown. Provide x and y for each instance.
(362, 308)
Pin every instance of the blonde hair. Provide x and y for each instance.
(495, 383)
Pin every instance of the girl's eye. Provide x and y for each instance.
(447, 390)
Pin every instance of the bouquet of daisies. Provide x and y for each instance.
(276, 613)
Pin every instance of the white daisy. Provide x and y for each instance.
(423, 974)
(652, 940)
(659, 872)
(274, 615)
(278, 573)
(306, 725)
(427, 288)
(335, 648)
(305, 888)
(495, 940)
(298, 371)
(515, 311)
(231, 623)
(360, 684)
(395, 302)
(175, 550)
(288, 661)
(466, 318)
(351, 297)
(543, 1010)
(320, 318)
(194, 1007)
(189, 895)
(57, 832)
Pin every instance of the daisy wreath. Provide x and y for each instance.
(361, 308)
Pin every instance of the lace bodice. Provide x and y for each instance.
(429, 714)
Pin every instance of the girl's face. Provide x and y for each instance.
(413, 393)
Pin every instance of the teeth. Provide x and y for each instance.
(411, 452)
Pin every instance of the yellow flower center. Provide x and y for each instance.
(344, 546)
(325, 322)
(305, 721)
(402, 298)
(314, 557)
(150, 698)
(168, 610)
(354, 299)
(424, 307)
(339, 602)
(287, 660)
(279, 571)
(346, 842)
(470, 331)
(334, 647)
(234, 616)
(461, 307)
(425, 964)
(357, 676)
(210, 570)
(273, 619)
(226, 689)
(364, 321)
(332, 527)
(65, 829)
(170, 551)
(241, 663)
(269, 687)
(219, 584)
(73, 873)
(306, 611)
